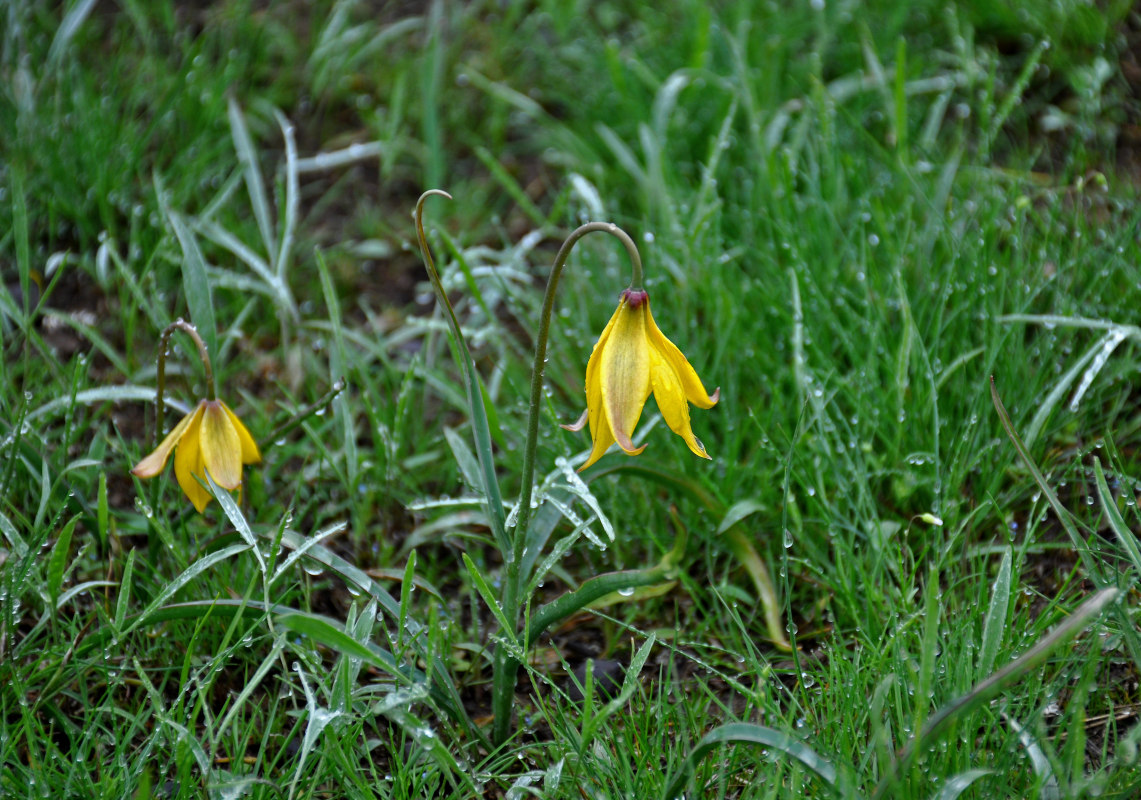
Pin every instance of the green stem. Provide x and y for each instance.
(541, 360)
(506, 668)
(164, 346)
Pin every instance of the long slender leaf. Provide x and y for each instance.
(1127, 538)
(481, 430)
(195, 283)
(986, 690)
(251, 171)
(58, 561)
(189, 574)
(995, 622)
(957, 784)
(348, 572)
(749, 733)
(105, 394)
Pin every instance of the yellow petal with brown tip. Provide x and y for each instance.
(154, 463)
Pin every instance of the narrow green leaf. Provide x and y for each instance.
(72, 21)
(986, 690)
(106, 394)
(477, 405)
(123, 602)
(249, 685)
(510, 185)
(995, 622)
(737, 512)
(330, 633)
(196, 284)
(465, 460)
(1060, 511)
(1127, 538)
(103, 512)
(630, 683)
(255, 186)
(15, 541)
(58, 561)
(957, 784)
(238, 520)
(348, 572)
(506, 628)
(292, 196)
(20, 234)
(189, 574)
(748, 733)
(79, 589)
(406, 597)
(1063, 382)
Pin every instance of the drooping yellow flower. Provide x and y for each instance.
(632, 359)
(210, 439)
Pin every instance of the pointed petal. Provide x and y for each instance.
(578, 425)
(624, 374)
(593, 384)
(672, 403)
(154, 463)
(602, 439)
(690, 383)
(596, 353)
(188, 462)
(221, 447)
(594, 413)
(250, 452)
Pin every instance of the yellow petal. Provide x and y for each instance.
(221, 447)
(188, 462)
(602, 439)
(578, 425)
(672, 403)
(690, 383)
(154, 463)
(250, 452)
(624, 373)
(596, 353)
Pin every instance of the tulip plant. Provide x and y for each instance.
(210, 439)
(631, 359)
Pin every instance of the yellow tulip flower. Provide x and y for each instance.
(632, 359)
(210, 439)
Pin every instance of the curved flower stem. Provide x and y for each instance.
(164, 345)
(505, 667)
(541, 358)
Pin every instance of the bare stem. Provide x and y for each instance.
(541, 359)
(164, 346)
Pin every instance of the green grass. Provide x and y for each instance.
(851, 219)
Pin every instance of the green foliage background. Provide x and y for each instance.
(852, 215)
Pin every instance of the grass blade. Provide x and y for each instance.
(749, 733)
(189, 574)
(996, 616)
(957, 784)
(123, 602)
(58, 561)
(986, 690)
(195, 283)
(1127, 538)
(255, 186)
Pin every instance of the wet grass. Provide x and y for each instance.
(851, 218)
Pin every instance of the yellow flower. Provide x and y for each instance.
(211, 439)
(631, 359)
